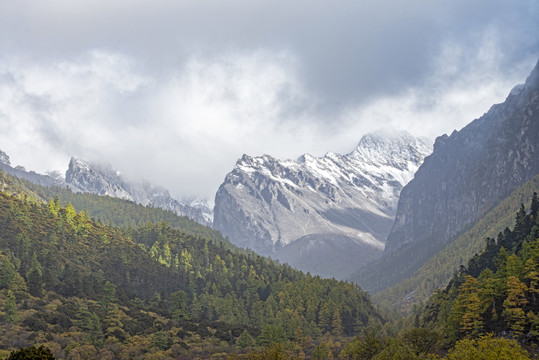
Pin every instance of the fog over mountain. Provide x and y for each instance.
(175, 92)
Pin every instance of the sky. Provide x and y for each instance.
(176, 91)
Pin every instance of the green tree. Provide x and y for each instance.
(270, 334)
(7, 272)
(34, 276)
(178, 305)
(514, 303)
(245, 340)
(31, 353)
(532, 278)
(487, 348)
(113, 323)
(336, 324)
(109, 294)
(322, 352)
(10, 313)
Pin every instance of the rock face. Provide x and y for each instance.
(471, 170)
(101, 180)
(344, 204)
(468, 173)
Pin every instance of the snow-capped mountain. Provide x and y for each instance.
(104, 180)
(341, 204)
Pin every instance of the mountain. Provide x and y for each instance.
(83, 176)
(437, 272)
(468, 173)
(301, 211)
(103, 180)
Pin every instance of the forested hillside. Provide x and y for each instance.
(498, 292)
(147, 290)
(81, 287)
(109, 210)
(437, 272)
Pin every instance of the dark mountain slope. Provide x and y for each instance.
(468, 173)
(497, 291)
(437, 272)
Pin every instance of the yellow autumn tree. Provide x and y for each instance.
(513, 305)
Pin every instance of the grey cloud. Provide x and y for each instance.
(180, 89)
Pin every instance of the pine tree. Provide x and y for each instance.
(469, 308)
(113, 323)
(325, 318)
(7, 272)
(34, 276)
(534, 205)
(10, 313)
(336, 324)
(513, 305)
(532, 278)
(245, 340)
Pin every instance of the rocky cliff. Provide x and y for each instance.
(471, 170)
(468, 173)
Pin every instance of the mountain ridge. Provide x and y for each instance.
(85, 176)
(266, 204)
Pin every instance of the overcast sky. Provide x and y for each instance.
(176, 91)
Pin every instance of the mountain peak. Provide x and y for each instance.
(105, 180)
(469, 172)
(4, 158)
(394, 148)
(267, 204)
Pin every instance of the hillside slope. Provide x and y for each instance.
(497, 291)
(84, 287)
(437, 272)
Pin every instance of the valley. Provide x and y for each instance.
(402, 248)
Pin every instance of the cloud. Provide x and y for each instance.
(177, 91)
(463, 84)
(184, 129)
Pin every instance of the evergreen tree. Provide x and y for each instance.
(31, 353)
(245, 340)
(34, 276)
(513, 305)
(10, 313)
(336, 324)
(468, 308)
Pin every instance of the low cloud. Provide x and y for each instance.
(183, 126)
